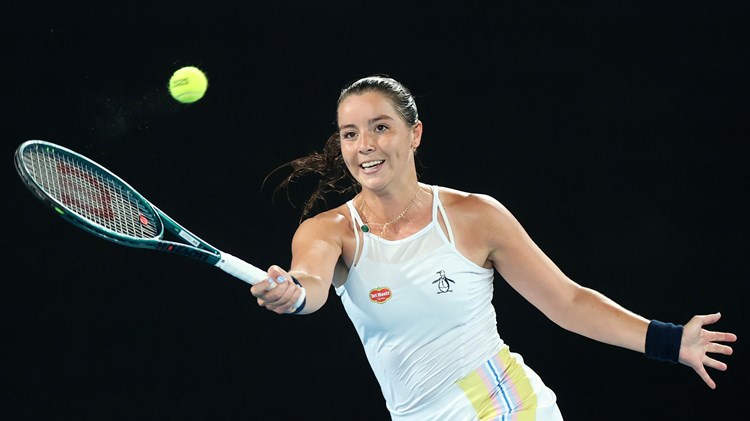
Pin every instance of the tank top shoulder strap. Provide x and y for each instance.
(356, 224)
(437, 206)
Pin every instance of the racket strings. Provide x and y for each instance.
(91, 193)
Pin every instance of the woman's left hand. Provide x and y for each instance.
(697, 343)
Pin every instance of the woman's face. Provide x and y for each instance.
(376, 144)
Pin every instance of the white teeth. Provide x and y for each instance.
(371, 164)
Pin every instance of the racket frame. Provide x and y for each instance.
(197, 249)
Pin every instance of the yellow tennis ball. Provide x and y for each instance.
(188, 84)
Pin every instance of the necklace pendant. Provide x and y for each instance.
(365, 228)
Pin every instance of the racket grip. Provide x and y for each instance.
(241, 269)
(252, 275)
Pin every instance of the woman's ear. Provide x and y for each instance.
(416, 135)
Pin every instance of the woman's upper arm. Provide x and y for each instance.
(316, 248)
(524, 265)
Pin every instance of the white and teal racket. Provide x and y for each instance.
(96, 200)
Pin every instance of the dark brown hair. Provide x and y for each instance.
(328, 164)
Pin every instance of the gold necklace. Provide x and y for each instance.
(366, 226)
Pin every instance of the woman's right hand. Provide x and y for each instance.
(277, 293)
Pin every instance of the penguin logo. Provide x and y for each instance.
(443, 283)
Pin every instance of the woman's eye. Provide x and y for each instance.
(380, 128)
(347, 135)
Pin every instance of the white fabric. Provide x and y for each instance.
(434, 329)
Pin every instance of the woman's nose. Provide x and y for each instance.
(367, 143)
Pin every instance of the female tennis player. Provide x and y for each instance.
(413, 264)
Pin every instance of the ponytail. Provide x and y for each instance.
(329, 166)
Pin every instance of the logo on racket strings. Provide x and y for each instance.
(84, 193)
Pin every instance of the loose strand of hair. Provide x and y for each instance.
(328, 165)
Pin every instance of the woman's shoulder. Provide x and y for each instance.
(334, 219)
(454, 197)
(468, 204)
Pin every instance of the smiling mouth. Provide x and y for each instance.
(370, 164)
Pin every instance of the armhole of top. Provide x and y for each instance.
(358, 234)
(440, 217)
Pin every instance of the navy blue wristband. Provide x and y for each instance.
(663, 341)
(298, 309)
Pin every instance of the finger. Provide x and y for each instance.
(262, 287)
(270, 284)
(720, 349)
(706, 378)
(723, 337)
(275, 271)
(295, 297)
(270, 293)
(285, 303)
(278, 299)
(715, 364)
(287, 299)
(710, 319)
(276, 276)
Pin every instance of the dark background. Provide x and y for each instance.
(615, 133)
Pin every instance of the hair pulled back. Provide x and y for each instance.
(328, 164)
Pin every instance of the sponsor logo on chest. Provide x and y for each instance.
(380, 295)
(442, 285)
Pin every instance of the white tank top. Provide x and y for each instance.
(422, 310)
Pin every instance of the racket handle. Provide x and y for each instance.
(252, 275)
(241, 269)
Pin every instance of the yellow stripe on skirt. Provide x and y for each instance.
(500, 389)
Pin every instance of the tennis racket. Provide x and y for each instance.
(96, 200)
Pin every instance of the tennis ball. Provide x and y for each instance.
(188, 84)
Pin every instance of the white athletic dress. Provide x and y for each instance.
(425, 318)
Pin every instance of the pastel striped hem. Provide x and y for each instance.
(500, 389)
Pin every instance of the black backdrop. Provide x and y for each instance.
(616, 134)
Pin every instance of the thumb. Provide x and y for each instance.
(709, 318)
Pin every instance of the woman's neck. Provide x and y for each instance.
(385, 214)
